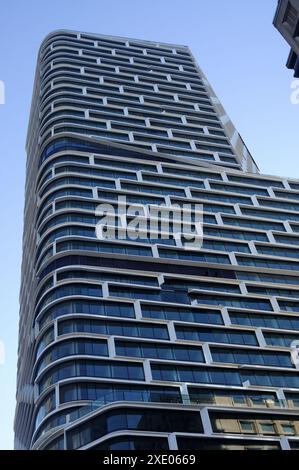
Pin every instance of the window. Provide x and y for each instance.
(87, 193)
(270, 214)
(70, 290)
(166, 294)
(193, 443)
(271, 291)
(195, 375)
(225, 246)
(219, 335)
(90, 307)
(124, 164)
(73, 347)
(247, 427)
(269, 321)
(74, 144)
(133, 419)
(104, 369)
(215, 208)
(289, 306)
(277, 251)
(46, 406)
(290, 16)
(262, 277)
(104, 248)
(64, 158)
(288, 194)
(230, 377)
(267, 263)
(280, 339)
(288, 429)
(271, 379)
(230, 398)
(211, 196)
(69, 217)
(231, 301)
(159, 351)
(286, 239)
(267, 428)
(237, 234)
(65, 232)
(293, 400)
(108, 276)
(173, 181)
(73, 180)
(238, 423)
(56, 444)
(118, 392)
(239, 189)
(196, 156)
(248, 356)
(131, 198)
(133, 443)
(250, 223)
(279, 204)
(153, 189)
(182, 314)
(46, 339)
(193, 256)
(141, 129)
(214, 148)
(115, 328)
(191, 173)
(96, 172)
(256, 181)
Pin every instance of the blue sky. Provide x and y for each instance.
(235, 44)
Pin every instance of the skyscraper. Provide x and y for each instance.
(286, 20)
(149, 343)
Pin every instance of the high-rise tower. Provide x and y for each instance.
(286, 20)
(147, 344)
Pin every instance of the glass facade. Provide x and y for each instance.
(167, 346)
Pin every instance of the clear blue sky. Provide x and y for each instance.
(235, 44)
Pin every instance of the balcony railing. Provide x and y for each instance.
(143, 397)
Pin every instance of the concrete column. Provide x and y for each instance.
(172, 442)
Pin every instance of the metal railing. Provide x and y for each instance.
(144, 397)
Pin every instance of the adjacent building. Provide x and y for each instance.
(286, 20)
(148, 343)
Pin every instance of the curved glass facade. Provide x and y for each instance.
(146, 343)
